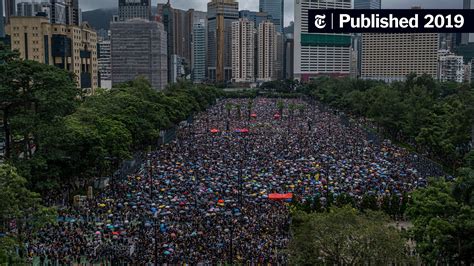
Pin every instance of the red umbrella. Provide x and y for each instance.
(253, 115)
(220, 201)
(277, 196)
(277, 116)
(244, 130)
(215, 130)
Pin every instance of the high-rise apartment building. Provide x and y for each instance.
(179, 27)
(58, 12)
(274, 8)
(105, 63)
(467, 37)
(471, 62)
(319, 54)
(220, 15)
(199, 52)
(28, 9)
(255, 17)
(177, 68)
(451, 68)
(391, 57)
(2, 21)
(73, 12)
(367, 4)
(356, 63)
(243, 51)
(138, 48)
(69, 47)
(166, 14)
(468, 72)
(10, 6)
(267, 48)
(130, 9)
(192, 17)
(289, 56)
(278, 67)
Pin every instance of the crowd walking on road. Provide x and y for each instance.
(203, 198)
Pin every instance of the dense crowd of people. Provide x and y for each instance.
(203, 198)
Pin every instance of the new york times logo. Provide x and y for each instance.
(390, 21)
(320, 21)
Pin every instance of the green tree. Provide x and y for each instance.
(443, 226)
(249, 108)
(280, 106)
(369, 202)
(228, 108)
(32, 95)
(23, 207)
(343, 236)
(239, 110)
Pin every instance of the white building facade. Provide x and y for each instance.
(267, 48)
(320, 54)
(243, 51)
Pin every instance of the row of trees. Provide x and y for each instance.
(58, 135)
(443, 220)
(441, 227)
(21, 215)
(54, 135)
(392, 205)
(345, 236)
(435, 118)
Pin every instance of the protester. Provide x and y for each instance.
(207, 201)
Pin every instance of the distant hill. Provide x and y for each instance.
(100, 18)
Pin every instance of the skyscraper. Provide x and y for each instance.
(274, 8)
(192, 17)
(199, 52)
(138, 48)
(10, 6)
(129, 9)
(243, 51)
(104, 63)
(255, 17)
(392, 56)
(220, 15)
(356, 64)
(367, 4)
(27, 9)
(179, 25)
(451, 68)
(467, 37)
(58, 12)
(319, 54)
(2, 21)
(289, 56)
(267, 49)
(166, 14)
(73, 13)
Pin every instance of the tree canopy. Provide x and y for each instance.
(343, 236)
(443, 218)
(435, 118)
(21, 213)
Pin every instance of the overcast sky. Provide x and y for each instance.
(253, 4)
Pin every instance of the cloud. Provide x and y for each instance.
(289, 5)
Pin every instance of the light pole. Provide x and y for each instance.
(156, 238)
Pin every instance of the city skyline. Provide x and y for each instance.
(201, 5)
(289, 5)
